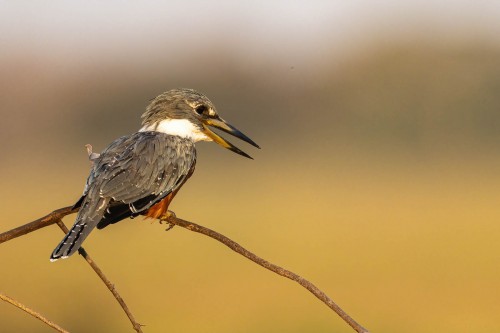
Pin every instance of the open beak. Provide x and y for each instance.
(223, 126)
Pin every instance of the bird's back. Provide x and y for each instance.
(131, 175)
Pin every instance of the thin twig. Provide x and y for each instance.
(104, 279)
(37, 224)
(55, 218)
(58, 214)
(270, 266)
(32, 312)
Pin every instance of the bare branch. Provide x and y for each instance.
(58, 214)
(37, 224)
(270, 266)
(104, 279)
(55, 217)
(32, 312)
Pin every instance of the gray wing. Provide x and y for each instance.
(155, 164)
(130, 176)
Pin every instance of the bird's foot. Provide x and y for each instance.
(165, 218)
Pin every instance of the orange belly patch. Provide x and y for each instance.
(160, 208)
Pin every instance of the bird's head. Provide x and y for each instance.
(190, 114)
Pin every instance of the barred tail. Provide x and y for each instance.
(84, 224)
(72, 241)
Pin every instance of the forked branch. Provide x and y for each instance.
(56, 216)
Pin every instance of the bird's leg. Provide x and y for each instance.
(165, 217)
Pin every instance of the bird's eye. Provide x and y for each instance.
(201, 109)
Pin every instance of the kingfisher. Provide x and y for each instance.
(140, 173)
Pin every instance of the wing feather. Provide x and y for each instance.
(131, 175)
(135, 173)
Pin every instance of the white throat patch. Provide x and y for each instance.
(179, 127)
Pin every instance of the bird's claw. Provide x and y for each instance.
(165, 218)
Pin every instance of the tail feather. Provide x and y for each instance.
(84, 224)
(72, 241)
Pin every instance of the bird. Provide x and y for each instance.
(140, 173)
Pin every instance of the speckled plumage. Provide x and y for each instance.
(131, 175)
(141, 173)
(180, 102)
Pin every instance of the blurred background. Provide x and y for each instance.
(378, 177)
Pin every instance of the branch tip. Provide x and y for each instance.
(32, 312)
